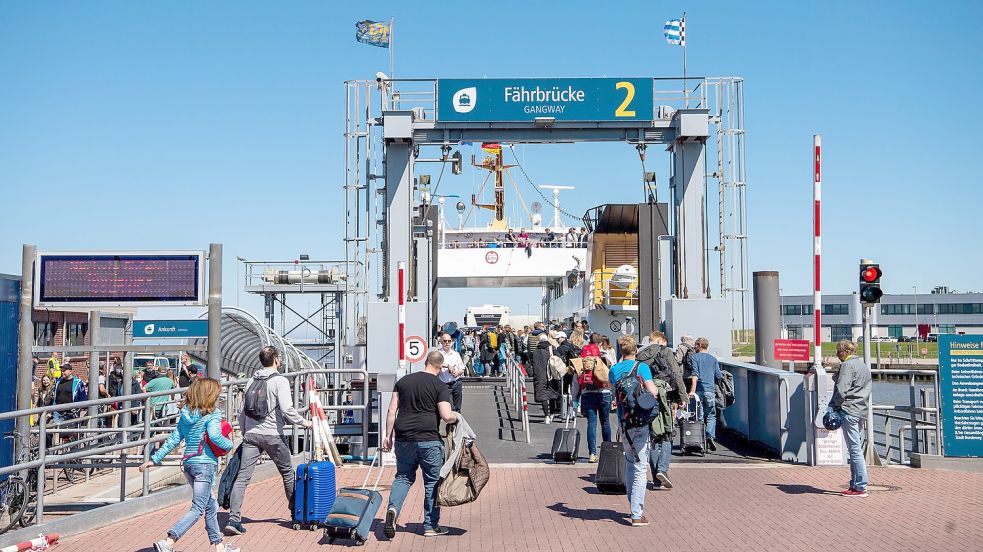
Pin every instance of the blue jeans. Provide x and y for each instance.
(710, 413)
(854, 445)
(428, 456)
(659, 456)
(597, 405)
(636, 468)
(200, 477)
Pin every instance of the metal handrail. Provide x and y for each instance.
(147, 429)
(932, 419)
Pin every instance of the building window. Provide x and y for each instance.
(795, 332)
(949, 308)
(75, 334)
(807, 309)
(926, 308)
(895, 331)
(840, 332)
(947, 328)
(897, 309)
(792, 310)
(836, 309)
(44, 333)
(972, 308)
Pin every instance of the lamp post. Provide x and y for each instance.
(239, 260)
(917, 332)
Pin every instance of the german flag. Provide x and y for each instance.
(491, 147)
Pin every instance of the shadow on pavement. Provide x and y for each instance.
(801, 489)
(589, 514)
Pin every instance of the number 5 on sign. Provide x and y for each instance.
(629, 89)
(416, 348)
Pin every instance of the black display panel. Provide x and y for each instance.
(112, 279)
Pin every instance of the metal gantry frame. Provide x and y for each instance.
(365, 247)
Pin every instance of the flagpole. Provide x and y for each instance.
(682, 32)
(392, 27)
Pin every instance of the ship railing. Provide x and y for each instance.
(503, 244)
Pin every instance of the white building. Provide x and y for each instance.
(896, 316)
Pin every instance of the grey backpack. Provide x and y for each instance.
(256, 403)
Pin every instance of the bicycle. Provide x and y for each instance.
(14, 496)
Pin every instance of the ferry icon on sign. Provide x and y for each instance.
(464, 99)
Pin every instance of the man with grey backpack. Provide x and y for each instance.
(267, 404)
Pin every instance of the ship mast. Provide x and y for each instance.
(494, 165)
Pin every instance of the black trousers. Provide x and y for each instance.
(457, 394)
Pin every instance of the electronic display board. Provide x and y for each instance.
(160, 278)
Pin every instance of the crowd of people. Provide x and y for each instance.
(573, 237)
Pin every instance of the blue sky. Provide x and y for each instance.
(172, 125)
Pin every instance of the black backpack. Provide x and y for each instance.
(256, 403)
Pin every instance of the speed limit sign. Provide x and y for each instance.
(416, 348)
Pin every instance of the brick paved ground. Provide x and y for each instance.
(755, 507)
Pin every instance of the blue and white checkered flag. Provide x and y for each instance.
(675, 31)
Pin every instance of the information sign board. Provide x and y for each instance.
(94, 279)
(491, 100)
(961, 389)
(793, 349)
(170, 328)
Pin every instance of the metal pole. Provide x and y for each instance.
(817, 143)
(215, 310)
(25, 364)
(866, 335)
(682, 35)
(148, 415)
(42, 445)
(93, 382)
(767, 318)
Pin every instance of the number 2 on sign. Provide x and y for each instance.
(629, 96)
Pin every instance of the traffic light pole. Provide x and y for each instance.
(870, 454)
(867, 334)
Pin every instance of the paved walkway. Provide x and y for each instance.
(540, 507)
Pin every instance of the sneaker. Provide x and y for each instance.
(711, 445)
(664, 480)
(162, 546)
(854, 492)
(389, 529)
(435, 532)
(592, 459)
(639, 522)
(234, 528)
(548, 420)
(233, 549)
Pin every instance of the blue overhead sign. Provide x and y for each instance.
(961, 388)
(516, 100)
(170, 328)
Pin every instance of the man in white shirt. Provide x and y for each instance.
(452, 370)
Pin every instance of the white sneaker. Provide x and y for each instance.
(548, 420)
(162, 546)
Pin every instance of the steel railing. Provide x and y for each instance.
(515, 379)
(151, 421)
(921, 413)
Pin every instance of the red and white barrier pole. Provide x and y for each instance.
(40, 543)
(817, 144)
(401, 316)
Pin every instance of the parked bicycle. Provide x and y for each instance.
(16, 492)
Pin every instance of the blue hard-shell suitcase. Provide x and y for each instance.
(314, 494)
(354, 511)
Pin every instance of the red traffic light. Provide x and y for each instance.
(870, 274)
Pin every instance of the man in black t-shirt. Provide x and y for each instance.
(420, 400)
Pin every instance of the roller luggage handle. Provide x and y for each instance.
(375, 485)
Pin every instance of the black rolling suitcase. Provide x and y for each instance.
(610, 476)
(692, 429)
(566, 442)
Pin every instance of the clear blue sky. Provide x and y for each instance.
(172, 125)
